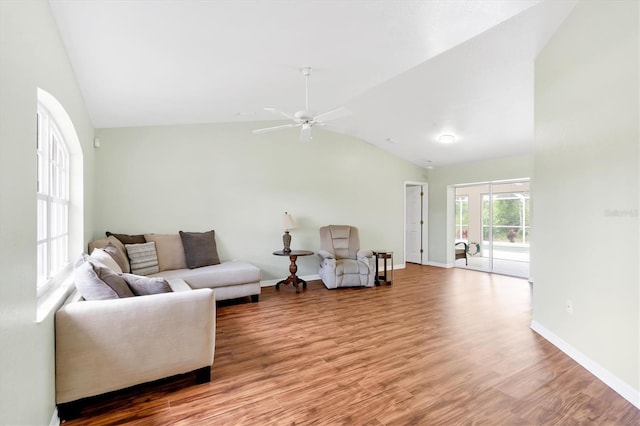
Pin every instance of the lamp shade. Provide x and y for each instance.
(288, 222)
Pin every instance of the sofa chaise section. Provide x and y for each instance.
(230, 280)
(106, 345)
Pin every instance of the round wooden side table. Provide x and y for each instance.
(293, 268)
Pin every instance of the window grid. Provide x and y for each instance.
(52, 200)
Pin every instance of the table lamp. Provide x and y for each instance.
(287, 224)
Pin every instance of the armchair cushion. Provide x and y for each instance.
(349, 266)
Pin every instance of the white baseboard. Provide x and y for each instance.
(440, 265)
(55, 419)
(625, 390)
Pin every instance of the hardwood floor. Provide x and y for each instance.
(438, 347)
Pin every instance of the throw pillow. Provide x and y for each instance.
(200, 248)
(128, 239)
(143, 258)
(112, 279)
(102, 256)
(90, 281)
(169, 250)
(122, 252)
(120, 258)
(90, 286)
(144, 286)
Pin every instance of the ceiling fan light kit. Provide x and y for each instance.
(305, 119)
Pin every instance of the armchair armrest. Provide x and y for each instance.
(105, 345)
(362, 254)
(327, 260)
(324, 254)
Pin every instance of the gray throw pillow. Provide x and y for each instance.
(95, 281)
(200, 248)
(111, 278)
(144, 286)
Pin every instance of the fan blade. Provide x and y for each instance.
(282, 113)
(333, 114)
(305, 133)
(271, 129)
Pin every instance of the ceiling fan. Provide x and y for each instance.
(305, 119)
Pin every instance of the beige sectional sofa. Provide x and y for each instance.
(112, 340)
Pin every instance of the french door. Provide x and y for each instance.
(494, 220)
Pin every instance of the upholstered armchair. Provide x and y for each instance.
(342, 262)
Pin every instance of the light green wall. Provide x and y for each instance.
(222, 177)
(586, 186)
(442, 203)
(31, 56)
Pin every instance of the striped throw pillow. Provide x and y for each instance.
(143, 258)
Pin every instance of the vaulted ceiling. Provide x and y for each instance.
(407, 71)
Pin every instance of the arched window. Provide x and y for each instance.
(53, 198)
(59, 193)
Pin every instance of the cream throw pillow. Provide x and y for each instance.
(169, 250)
(104, 257)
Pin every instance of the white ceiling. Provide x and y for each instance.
(407, 70)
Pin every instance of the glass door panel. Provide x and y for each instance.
(511, 228)
(498, 227)
(469, 227)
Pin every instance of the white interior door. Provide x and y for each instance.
(414, 224)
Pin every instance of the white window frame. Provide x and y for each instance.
(460, 201)
(53, 201)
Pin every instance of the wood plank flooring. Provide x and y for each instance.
(438, 347)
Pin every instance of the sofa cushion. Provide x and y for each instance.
(212, 276)
(144, 286)
(95, 281)
(122, 259)
(112, 279)
(143, 258)
(169, 250)
(105, 258)
(127, 239)
(200, 248)
(119, 256)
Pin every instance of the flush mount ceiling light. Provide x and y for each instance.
(446, 138)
